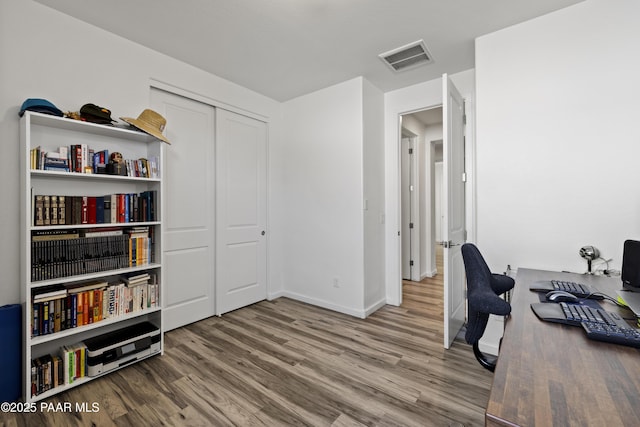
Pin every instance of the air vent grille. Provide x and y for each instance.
(407, 56)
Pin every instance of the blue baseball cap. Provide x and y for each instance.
(40, 106)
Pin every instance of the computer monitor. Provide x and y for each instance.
(631, 266)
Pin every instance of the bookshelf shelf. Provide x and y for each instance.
(87, 176)
(88, 128)
(92, 276)
(78, 382)
(41, 339)
(89, 250)
(91, 226)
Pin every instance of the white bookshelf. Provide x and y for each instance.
(49, 133)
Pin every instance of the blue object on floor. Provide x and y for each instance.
(11, 353)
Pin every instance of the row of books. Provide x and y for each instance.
(81, 158)
(109, 209)
(58, 308)
(65, 253)
(51, 371)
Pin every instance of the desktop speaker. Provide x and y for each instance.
(631, 265)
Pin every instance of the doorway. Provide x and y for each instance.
(421, 190)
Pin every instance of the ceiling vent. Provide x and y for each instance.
(407, 56)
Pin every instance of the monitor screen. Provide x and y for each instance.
(631, 265)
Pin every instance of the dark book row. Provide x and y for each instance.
(109, 209)
(58, 255)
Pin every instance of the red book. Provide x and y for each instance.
(91, 210)
(79, 361)
(121, 208)
(78, 155)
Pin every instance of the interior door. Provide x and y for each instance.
(187, 209)
(453, 210)
(241, 211)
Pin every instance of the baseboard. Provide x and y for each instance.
(375, 307)
(275, 295)
(430, 274)
(324, 304)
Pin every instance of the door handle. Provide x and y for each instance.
(449, 244)
(263, 232)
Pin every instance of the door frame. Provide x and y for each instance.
(411, 249)
(406, 101)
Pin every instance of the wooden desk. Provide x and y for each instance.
(552, 375)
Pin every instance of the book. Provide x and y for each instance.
(139, 278)
(100, 210)
(101, 232)
(41, 235)
(91, 210)
(35, 319)
(84, 213)
(114, 209)
(121, 208)
(46, 210)
(53, 215)
(57, 312)
(55, 291)
(86, 286)
(62, 218)
(38, 203)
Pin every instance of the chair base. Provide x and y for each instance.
(487, 362)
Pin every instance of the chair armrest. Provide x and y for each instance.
(501, 283)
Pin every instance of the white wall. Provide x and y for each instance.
(373, 185)
(558, 140)
(46, 54)
(323, 198)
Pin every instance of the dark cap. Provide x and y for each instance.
(40, 106)
(93, 113)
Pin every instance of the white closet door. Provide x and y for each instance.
(241, 210)
(187, 209)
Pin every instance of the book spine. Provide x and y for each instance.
(121, 208)
(100, 210)
(46, 210)
(92, 217)
(62, 218)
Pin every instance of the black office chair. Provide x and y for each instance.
(483, 290)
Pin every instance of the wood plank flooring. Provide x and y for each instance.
(286, 363)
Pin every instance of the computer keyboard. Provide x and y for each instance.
(577, 289)
(616, 334)
(599, 324)
(576, 314)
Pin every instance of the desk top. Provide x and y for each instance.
(550, 374)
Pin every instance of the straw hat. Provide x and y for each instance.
(150, 122)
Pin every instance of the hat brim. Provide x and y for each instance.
(145, 128)
(43, 109)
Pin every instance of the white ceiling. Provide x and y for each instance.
(287, 48)
(430, 117)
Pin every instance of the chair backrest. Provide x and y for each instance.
(482, 298)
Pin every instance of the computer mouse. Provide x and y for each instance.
(561, 296)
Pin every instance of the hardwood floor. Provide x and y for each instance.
(286, 363)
